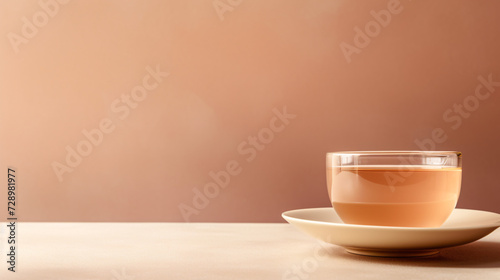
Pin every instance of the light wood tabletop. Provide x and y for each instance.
(140, 251)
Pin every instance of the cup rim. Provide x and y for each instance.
(396, 152)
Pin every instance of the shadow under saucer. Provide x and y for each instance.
(479, 254)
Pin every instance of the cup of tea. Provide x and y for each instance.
(394, 188)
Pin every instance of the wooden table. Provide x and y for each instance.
(137, 251)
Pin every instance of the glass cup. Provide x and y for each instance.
(394, 188)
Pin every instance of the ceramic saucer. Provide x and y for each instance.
(462, 227)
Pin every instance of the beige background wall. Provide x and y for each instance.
(67, 69)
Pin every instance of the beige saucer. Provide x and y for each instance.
(462, 227)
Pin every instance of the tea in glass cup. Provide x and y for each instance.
(394, 188)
